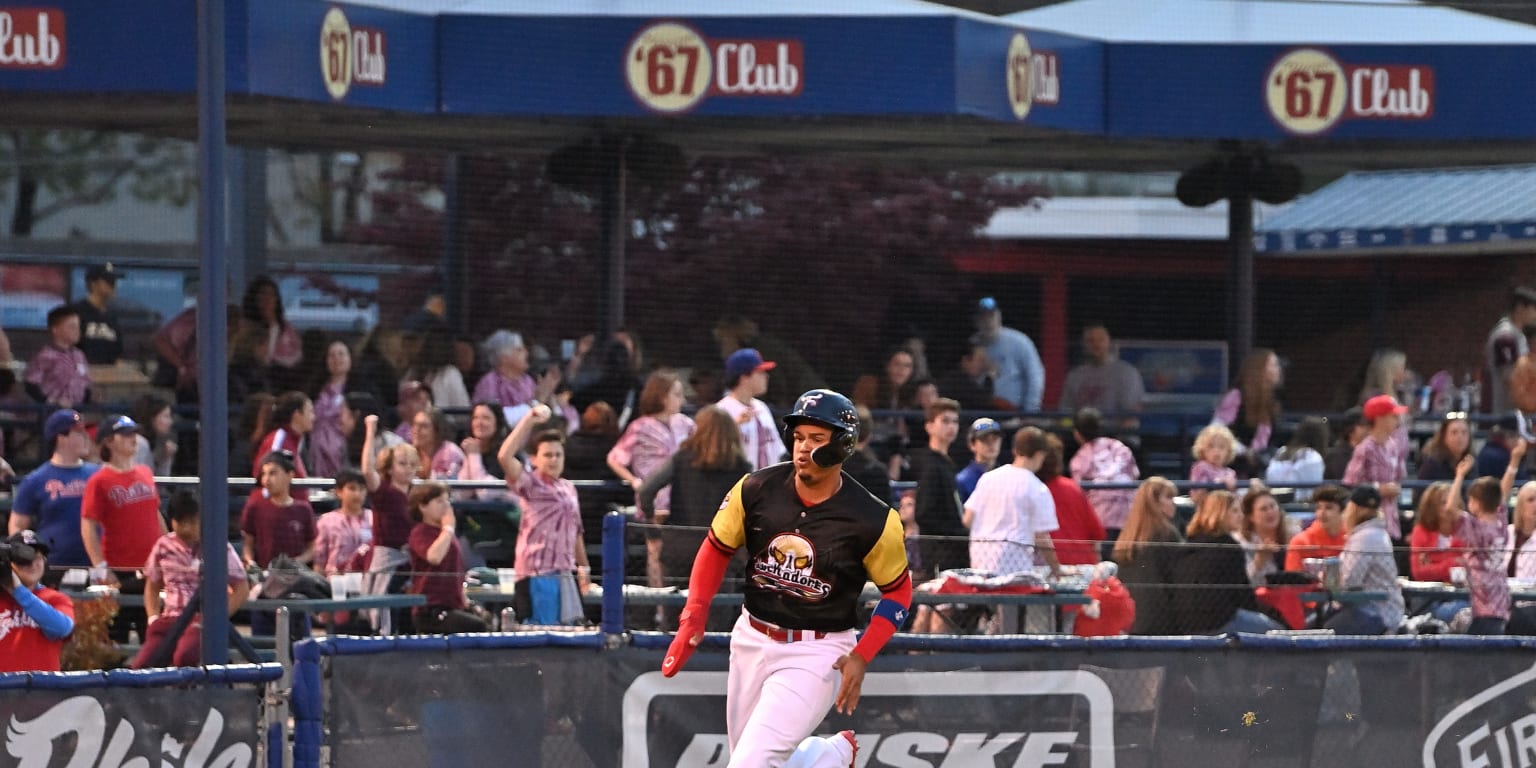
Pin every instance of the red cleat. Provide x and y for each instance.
(853, 742)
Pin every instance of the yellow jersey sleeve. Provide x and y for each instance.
(729, 525)
(887, 561)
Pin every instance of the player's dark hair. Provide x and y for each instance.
(1485, 490)
(59, 314)
(1029, 441)
(425, 494)
(1331, 494)
(940, 407)
(1089, 423)
(547, 436)
(346, 477)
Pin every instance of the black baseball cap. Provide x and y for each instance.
(1365, 496)
(26, 539)
(102, 272)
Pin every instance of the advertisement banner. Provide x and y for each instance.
(1084, 706)
(165, 727)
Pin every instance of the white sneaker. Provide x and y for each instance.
(853, 742)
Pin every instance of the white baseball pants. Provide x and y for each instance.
(776, 695)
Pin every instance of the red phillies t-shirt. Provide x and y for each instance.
(286, 530)
(443, 584)
(23, 648)
(127, 506)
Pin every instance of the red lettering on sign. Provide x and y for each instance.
(31, 38)
(758, 67)
(1396, 92)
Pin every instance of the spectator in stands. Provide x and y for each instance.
(1367, 564)
(619, 381)
(99, 337)
(1452, 440)
(120, 518)
(175, 568)
(1011, 515)
(1484, 528)
(1433, 549)
(747, 374)
(466, 358)
(1079, 530)
(276, 521)
(1522, 378)
(795, 374)
(175, 346)
(293, 416)
(985, 438)
(1521, 554)
(434, 367)
(414, 397)
(1145, 551)
(1020, 374)
(249, 371)
(48, 499)
(971, 383)
(58, 374)
(1212, 592)
(1300, 463)
(1213, 451)
(646, 444)
(587, 448)
(508, 382)
(1325, 536)
(1353, 429)
(487, 428)
(1264, 533)
(1103, 381)
(38, 620)
(702, 471)
(388, 473)
(1252, 409)
(378, 365)
(254, 425)
(1381, 458)
(1505, 346)
(1103, 459)
(155, 447)
(938, 500)
(1387, 374)
(5, 348)
(550, 549)
(889, 391)
(328, 439)
(437, 565)
(344, 536)
(433, 434)
(864, 466)
(262, 308)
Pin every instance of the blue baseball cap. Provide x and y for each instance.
(60, 423)
(985, 426)
(986, 304)
(745, 361)
(117, 424)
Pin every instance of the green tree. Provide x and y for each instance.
(44, 173)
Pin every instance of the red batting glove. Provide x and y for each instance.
(690, 631)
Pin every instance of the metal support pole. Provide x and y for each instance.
(284, 645)
(613, 573)
(1240, 236)
(213, 442)
(614, 223)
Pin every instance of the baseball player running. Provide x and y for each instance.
(814, 536)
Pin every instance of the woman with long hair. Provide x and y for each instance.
(1451, 441)
(699, 475)
(1432, 549)
(894, 389)
(1387, 374)
(1252, 409)
(646, 444)
(328, 441)
(1145, 551)
(156, 445)
(1079, 530)
(432, 434)
(1213, 594)
(262, 308)
(1264, 533)
(1301, 460)
(487, 430)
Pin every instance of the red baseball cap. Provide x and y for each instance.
(1383, 405)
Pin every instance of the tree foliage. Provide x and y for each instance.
(44, 173)
(821, 254)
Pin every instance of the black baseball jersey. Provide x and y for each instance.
(806, 566)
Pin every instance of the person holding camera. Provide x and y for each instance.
(34, 620)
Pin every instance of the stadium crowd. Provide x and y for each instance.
(1270, 504)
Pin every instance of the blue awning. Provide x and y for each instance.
(1423, 211)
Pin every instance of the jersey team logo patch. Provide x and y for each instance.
(787, 565)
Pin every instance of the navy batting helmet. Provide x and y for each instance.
(826, 408)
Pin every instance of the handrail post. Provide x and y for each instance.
(613, 573)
